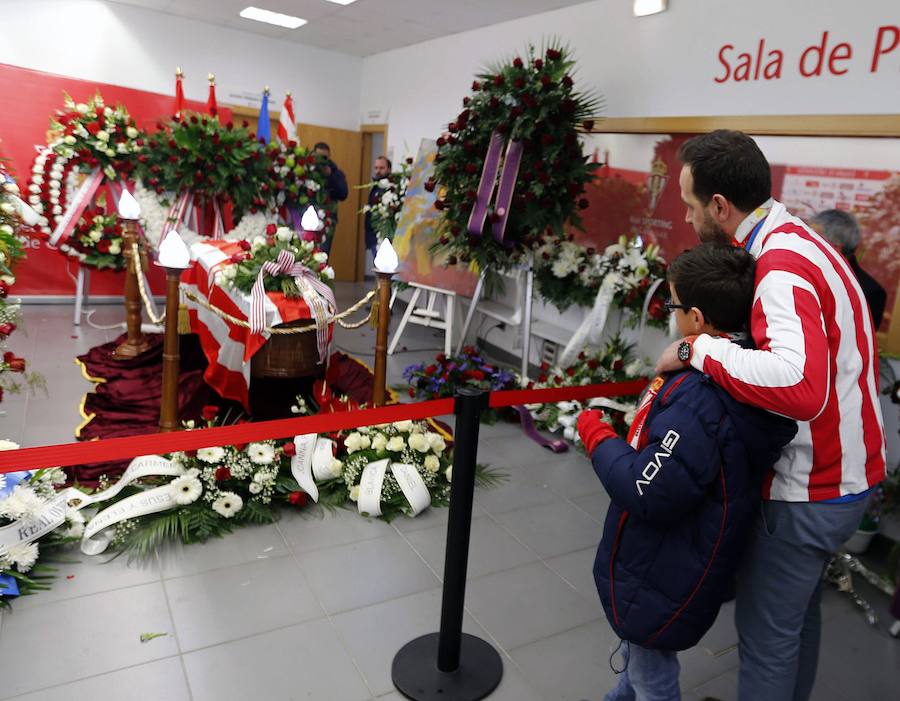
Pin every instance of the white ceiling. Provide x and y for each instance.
(363, 28)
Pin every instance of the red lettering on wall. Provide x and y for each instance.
(881, 41)
(818, 52)
(846, 52)
(726, 47)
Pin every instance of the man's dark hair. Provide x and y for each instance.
(718, 279)
(386, 159)
(728, 163)
(323, 145)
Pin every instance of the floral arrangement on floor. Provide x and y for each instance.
(391, 190)
(24, 499)
(246, 265)
(569, 273)
(297, 180)
(448, 373)
(97, 241)
(615, 362)
(531, 100)
(219, 164)
(84, 137)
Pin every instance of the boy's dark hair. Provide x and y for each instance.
(728, 163)
(717, 279)
(322, 145)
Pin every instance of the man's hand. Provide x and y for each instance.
(327, 171)
(669, 361)
(593, 430)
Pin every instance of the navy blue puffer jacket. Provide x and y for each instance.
(682, 510)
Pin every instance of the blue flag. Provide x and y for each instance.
(264, 128)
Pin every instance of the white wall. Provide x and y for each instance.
(664, 65)
(139, 48)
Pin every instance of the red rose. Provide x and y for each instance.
(209, 412)
(440, 205)
(92, 128)
(553, 55)
(431, 369)
(582, 355)
(297, 498)
(545, 81)
(271, 229)
(103, 246)
(570, 372)
(567, 81)
(519, 83)
(475, 375)
(538, 63)
(476, 86)
(15, 364)
(222, 473)
(593, 363)
(430, 185)
(289, 449)
(412, 392)
(237, 258)
(498, 80)
(244, 244)
(542, 377)
(657, 309)
(618, 364)
(517, 62)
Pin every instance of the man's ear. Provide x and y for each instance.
(720, 208)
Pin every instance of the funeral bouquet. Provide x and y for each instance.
(530, 102)
(566, 273)
(97, 241)
(296, 181)
(26, 499)
(245, 266)
(91, 139)
(615, 362)
(385, 212)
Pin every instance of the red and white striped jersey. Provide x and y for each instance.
(816, 362)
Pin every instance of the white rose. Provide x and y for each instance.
(131, 132)
(432, 463)
(81, 108)
(284, 234)
(354, 493)
(328, 272)
(403, 426)
(352, 442)
(449, 473)
(396, 444)
(8, 445)
(437, 443)
(95, 235)
(110, 152)
(418, 442)
(379, 443)
(9, 280)
(337, 467)
(258, 242)
(320, 257)
(70, 140)
(115, 249)
(103, 135)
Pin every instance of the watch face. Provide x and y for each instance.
(684, 351)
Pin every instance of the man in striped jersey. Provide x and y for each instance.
(816, 362)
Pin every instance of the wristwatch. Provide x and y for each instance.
(685, 351)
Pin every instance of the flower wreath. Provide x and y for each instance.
(87, 139)
(296, 181)
(531, 101)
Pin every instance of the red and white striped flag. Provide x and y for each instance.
(287, 124)
(179, 94)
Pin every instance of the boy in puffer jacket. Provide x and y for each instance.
(685, 487)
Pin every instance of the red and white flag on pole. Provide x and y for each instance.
(179, 93)
(287, 124)
(211, 105)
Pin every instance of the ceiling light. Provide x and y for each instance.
(270, 17)
(642, 8)
(342, 2)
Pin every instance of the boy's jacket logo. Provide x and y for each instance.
(667, 445)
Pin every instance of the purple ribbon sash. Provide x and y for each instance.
(486, 185)
(507, 187)
(529, 429)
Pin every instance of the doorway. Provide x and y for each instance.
(374, 144)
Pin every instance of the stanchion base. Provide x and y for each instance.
(128, 349)
(416, 676)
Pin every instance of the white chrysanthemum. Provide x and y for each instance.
(23, 556)
(436, 442)
(432, 463)
(228, 504)
(404, 426)
(22, 502)
(255, 487)
(74, 524)
(396, 444)
(211, 455)
(261, 453)
(186, 490)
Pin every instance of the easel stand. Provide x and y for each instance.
(519, 316)
(82, 292)
(428, 315)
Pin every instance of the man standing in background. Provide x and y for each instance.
(382, 169)
(336, 186)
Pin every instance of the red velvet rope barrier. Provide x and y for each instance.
(158, 443)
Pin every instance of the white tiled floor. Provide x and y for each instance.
(315, 606)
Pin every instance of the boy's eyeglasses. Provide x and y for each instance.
(671, 306)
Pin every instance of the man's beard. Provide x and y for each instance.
(710, 231)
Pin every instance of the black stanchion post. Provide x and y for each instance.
(452, 664)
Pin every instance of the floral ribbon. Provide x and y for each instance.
(556, 445)
(80, 202)
(593, 324)
(408, 478)
(313, 290)
(505, 189)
